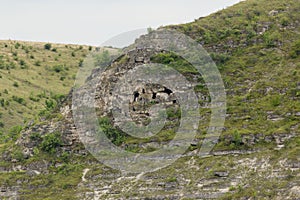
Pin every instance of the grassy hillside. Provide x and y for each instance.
(256, 46)
(33, 77)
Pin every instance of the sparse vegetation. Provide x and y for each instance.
(40, 77)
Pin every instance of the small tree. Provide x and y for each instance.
(47, 46)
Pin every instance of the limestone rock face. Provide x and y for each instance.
(140, 101)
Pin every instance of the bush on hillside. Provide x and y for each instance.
(50, 142)
(47, 46)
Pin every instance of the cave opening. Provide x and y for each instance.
(168, 91)
(153, 95)
(136, 95)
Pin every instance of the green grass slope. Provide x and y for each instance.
(256, 46)
(33, 77)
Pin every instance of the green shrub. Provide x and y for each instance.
(32, 98)
(50, 142)
(275, 101)
(284, 21)
(14, 132)
(173, 112)
(80, 63)
(18, 155)
(237, 138)
(17, 45)
(65, 157)
(36, 151)
(164, 58)
(47, 46)
(2, 137)
(50, 104)
(16, 84)
(22, 62)
(115, 135)
(174, 61)
(2, 102)
(58, 68)
(19, 100)
(268, 40)
(295, 51)
(58, 97)
(219, 58)
(35, 137)
(172, 179)
(37, 63)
